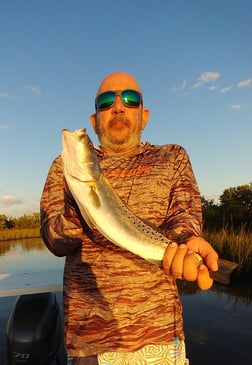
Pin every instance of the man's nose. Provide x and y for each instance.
(118, 106)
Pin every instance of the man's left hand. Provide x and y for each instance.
(181, 262)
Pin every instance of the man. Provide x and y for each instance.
(119, 308)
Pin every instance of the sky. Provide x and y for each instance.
(192, 59)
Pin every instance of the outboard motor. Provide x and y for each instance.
(33, 331)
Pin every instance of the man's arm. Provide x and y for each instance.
(184, 224)
(184, 212)
(61, 223)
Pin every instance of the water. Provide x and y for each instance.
(218, 325)
(29, 255)
(218, 322)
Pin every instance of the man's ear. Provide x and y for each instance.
(93, 121)
(145, 117)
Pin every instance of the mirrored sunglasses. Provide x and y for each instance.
(130, 98)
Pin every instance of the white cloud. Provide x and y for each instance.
(235, 106)
(181, 87)
(3, 127)
(184, 84)
(206, 77)
(197, 84)
(209, 76)
(5, 95)
(225, 89)
(8, 200)
(245, 83)
(14, 206)
(35, 89)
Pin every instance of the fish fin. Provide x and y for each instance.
(94, 197)
(95, 200)
(90, 222)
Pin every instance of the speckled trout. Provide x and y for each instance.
(100, 206)
(103, 210)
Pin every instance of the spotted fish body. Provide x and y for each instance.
(99, 205)
(103, 210)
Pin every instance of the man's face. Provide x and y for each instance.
(119, 127)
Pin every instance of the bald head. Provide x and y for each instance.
(118, 81)
(119, 126)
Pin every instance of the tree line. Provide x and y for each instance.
(233, 212)
(23, 222)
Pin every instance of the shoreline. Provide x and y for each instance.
(230, 246)
(18, 234)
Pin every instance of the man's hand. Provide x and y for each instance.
(181, 262)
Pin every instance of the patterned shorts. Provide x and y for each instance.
(171, 354)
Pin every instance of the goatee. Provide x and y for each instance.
(118, 123)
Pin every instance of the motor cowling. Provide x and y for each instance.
(33, 332)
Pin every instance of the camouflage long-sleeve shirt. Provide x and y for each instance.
(113, 299)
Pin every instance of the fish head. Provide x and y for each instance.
(79, 156)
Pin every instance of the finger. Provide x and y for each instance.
(190, 269)
(203, 279)
(209, 255)
(178, 261)
(168, 256)
(211, 261)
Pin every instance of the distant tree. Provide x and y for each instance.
(5, 222)
(212, 218)
(9, 223)
(28, 221)
(2, 221)
(236, 206)
(23, 222)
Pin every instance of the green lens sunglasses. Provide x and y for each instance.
(130, 98)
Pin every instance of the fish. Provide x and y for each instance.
(102, 208)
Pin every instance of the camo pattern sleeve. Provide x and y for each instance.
(61, 222)
(184, 212)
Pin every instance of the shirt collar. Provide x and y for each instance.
(143, 147)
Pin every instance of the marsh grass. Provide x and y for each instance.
(233, 246)
(15, 234)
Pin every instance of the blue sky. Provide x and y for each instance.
(193, 60)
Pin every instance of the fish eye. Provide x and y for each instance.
(90, 144)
